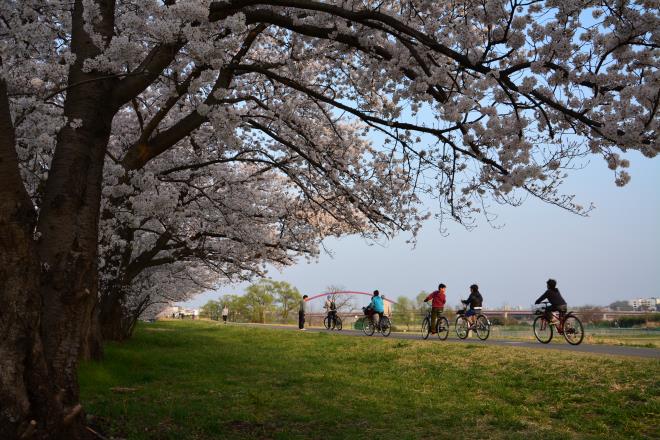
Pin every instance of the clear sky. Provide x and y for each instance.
(612, 254)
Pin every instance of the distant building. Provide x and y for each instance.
(177, 312)
(651, 304)
(168, 312)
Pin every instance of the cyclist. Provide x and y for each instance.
(557, 303)
(475, 300)
(331, 310)
(376, 306)
(438, 299)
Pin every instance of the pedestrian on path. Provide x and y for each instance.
(301, 313)
(225, 313)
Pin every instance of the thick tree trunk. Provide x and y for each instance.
(117, 321)
(29, 403)
(24, 375)
(48, 287)
(92, 344)
(114, 319)
(68, 250)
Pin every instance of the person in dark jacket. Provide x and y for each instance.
(331, 310)
(301, 313)
(474, 302)
(557, 303)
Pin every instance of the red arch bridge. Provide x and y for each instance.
(347, 292)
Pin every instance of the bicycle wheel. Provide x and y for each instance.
(542, 330)
(573, 330)
(338, 324)
(326, 323)
(368, 328)
(482, 327)
(385, 326)
(442, 327)
(426, 328)
(462, 327)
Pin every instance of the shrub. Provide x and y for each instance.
(631, 321)
(497, 320)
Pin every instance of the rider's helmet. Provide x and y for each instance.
(552, 284)
(376, 293)
(474, 287)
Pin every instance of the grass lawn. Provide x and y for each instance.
(197, 380)
(630, 339)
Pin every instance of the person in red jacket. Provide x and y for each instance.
(438, 299)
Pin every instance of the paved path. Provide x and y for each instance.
(613, 350)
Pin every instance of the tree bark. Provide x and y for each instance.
(27, 398)
(68, 250)
(48, 287)
(92, 344)
(115, 322)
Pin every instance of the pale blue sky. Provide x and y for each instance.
(612, 254)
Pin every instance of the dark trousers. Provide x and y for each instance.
(435, 313)
(301, 319)
(332, 318)
(561, 309)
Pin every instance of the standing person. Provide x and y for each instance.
(301, 313)
(225, 313)
(326, 307)
(331, 311)
(438, 300)
(557, 303)
(474, 301)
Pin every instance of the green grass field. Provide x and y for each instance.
(197, 380)
(621, 337)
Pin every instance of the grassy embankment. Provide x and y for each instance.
(623, 337)
(197, 380)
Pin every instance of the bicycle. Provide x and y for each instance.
(338, 323)
(384, 326)
(567, 324)
(481, 324)
(441, 326)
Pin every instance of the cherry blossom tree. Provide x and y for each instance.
(343, 302)
(197, 221)
(102, 102)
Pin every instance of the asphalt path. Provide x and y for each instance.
(600, 349)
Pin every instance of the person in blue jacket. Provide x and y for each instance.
(377, 307)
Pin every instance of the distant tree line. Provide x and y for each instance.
(264, 301)
(621, 306)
